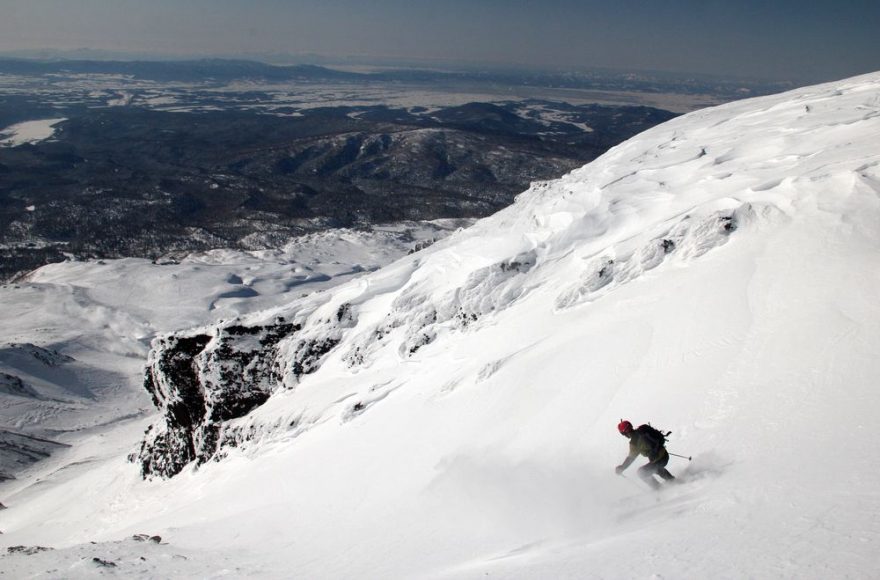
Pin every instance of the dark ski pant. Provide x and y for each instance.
(656, 466)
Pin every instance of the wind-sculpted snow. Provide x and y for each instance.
(453, 414)
(688, 238)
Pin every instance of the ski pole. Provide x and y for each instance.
(682, 456)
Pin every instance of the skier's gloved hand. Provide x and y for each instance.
(619, 469)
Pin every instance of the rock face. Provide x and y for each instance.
(202, 380)
(199, 381)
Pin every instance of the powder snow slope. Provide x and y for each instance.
(717, 275)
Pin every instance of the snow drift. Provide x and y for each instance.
(453, 414)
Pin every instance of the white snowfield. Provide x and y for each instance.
(28, 132)
(717, 276)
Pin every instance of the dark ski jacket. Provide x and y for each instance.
(642, 443)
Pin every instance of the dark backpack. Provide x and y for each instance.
(657, 439)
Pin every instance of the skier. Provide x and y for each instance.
(649, 442)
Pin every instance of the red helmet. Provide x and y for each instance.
(624, 427)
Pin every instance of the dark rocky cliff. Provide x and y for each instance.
(202, 379)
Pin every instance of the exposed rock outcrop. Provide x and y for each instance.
(202, 379)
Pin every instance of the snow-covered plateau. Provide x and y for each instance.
(453, 414)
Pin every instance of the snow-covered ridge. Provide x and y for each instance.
(661, 200)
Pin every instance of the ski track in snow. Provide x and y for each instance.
(717, 275)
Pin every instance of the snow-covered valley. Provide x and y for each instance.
(453, 414)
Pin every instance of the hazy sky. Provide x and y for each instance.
(769, 38)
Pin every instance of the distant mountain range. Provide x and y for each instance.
(224, 70)
(148, 158)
